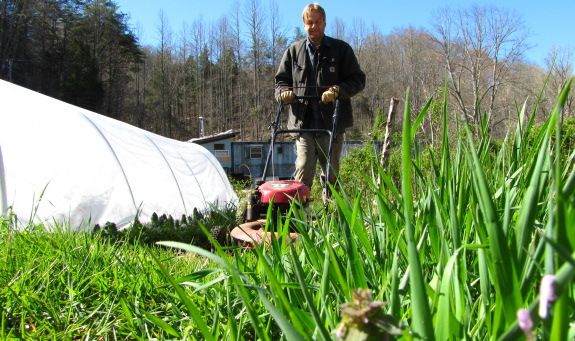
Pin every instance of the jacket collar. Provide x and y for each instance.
(327, 41)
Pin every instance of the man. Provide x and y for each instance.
(327, 68)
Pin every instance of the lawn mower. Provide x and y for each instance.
(281, 194)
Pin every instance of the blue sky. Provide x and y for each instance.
(551, 23)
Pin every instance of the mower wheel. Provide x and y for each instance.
(220, 234)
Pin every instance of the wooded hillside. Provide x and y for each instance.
(85, 53)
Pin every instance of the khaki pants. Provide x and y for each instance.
(311, 148)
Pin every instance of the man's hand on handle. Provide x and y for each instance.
(330, 95)
(287, 96)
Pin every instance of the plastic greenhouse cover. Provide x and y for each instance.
(66, 165)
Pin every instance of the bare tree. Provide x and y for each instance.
(507, 41)
(199, 46)
(559, 64)
(238, 92)
(480, 47)
(338, 29)
(226, 74)
(255, 22)
(236, 30)
(373, 63)
(278, 38)
(359, 34)
(182, 88)
(160, 81)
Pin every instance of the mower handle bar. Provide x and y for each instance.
(332, 133)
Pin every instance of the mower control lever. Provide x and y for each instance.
(308, 97)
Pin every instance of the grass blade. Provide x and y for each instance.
(192, 308)
(502, 261)
(421, 320)
(314, 313)
(162, 324)
(237, 277)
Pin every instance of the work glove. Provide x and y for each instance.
(287, 97)
(330, 95)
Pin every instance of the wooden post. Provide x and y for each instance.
(385, 150)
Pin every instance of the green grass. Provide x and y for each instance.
(69, 285)
(450, 252)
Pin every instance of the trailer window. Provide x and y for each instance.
(256, 152)
(220, 150)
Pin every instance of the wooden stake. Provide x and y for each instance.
(385, 150)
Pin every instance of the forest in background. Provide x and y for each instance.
(85, 53)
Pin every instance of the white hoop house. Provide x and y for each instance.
(66, 165)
